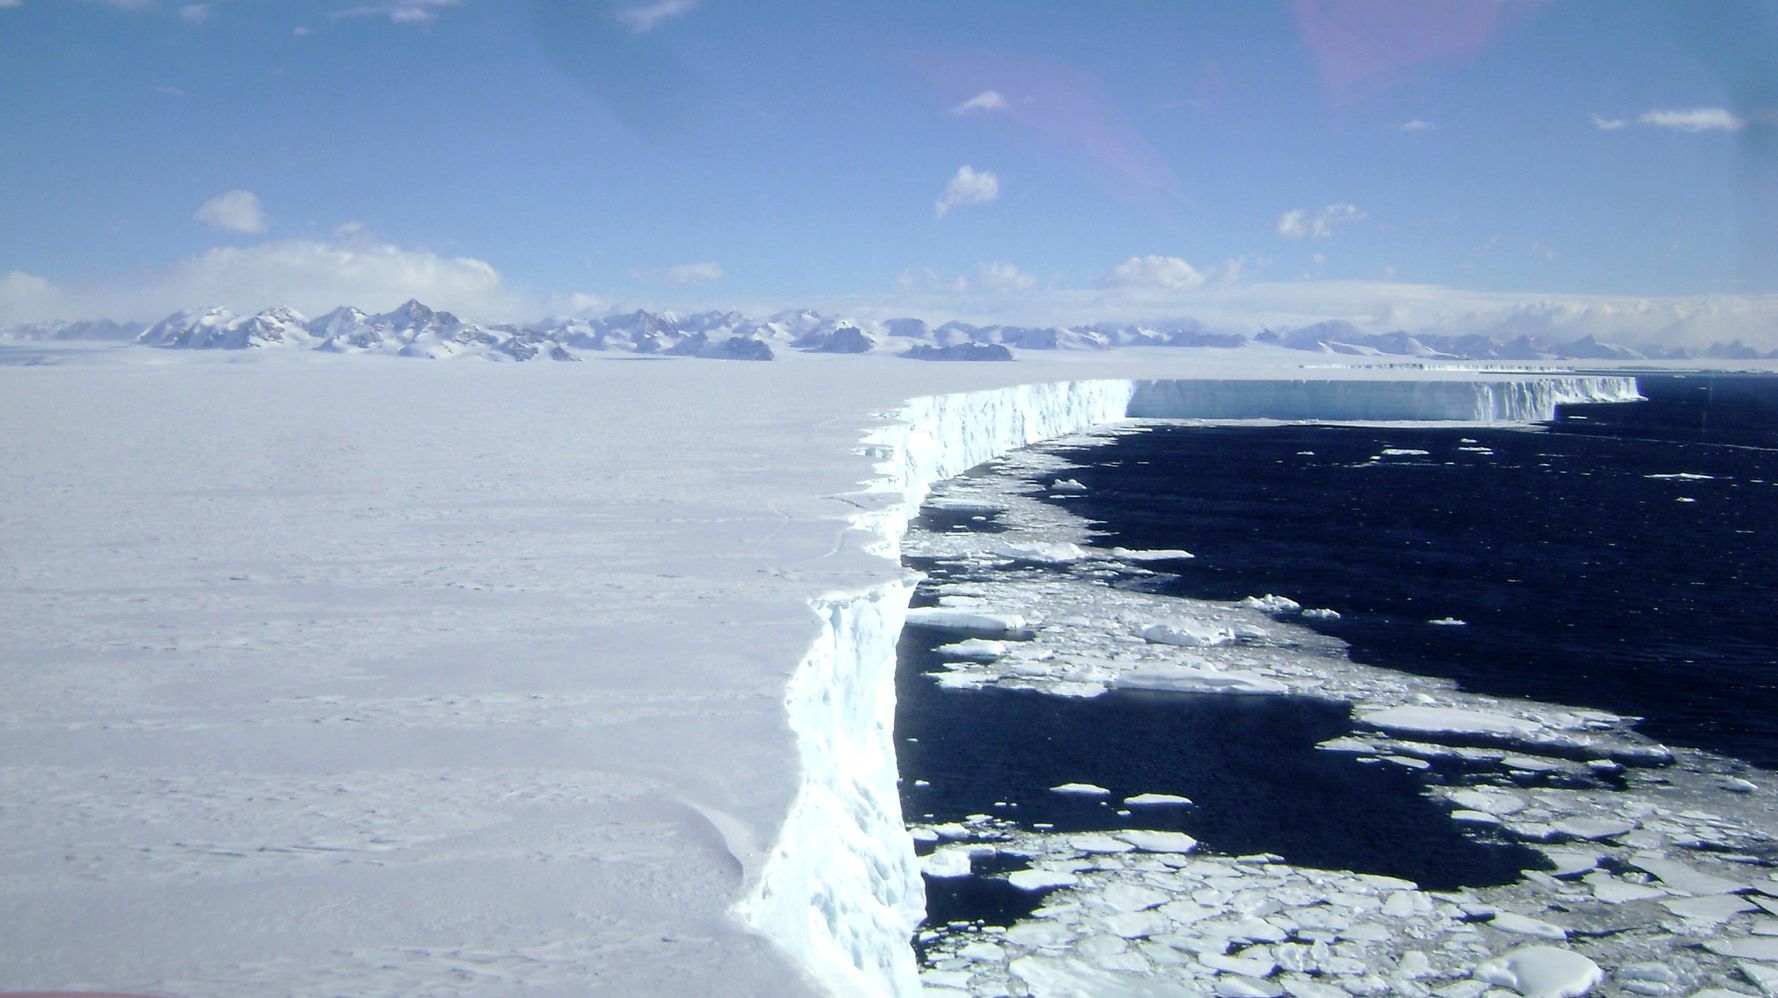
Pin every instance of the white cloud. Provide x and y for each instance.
(1001, 277)
(233, 211)
(680, 276)
(399, 11)
(1154, 272)
(968, 186)
(11, 3)
(196, 13)
(28, 298)
(169, 91)
(1608, 124)
(987, 100)
(1304, 224)
(1697, 119)
(1416, 125)
(647, 17)
(302, 31)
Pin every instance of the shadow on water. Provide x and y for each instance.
(1248, 762)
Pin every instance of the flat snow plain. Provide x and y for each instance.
(336, 675)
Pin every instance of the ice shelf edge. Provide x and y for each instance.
(841, 890)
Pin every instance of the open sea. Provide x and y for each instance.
(1623, 557)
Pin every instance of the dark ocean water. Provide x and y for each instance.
(1586, 574)
(1582, 571)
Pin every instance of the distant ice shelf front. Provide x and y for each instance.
(841, 889)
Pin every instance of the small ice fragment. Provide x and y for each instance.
(946, 862)
(1404, 452)
(1187, 634)
(923, 835)
(1157, 841)
(1042, 551)
(1322, 613)
(1270, 603)
(1449, 720)
(1685, 499)
(1132, 897)
(1683, 878)
(1084, 789)
(1141, 800)
(973, 649)
(1710, 909)
(1512, 921)
(1067, 485)
(1448, 622)
(1151, 554)
(1571, 863)
(945, 618)
(1541, 972)
(1610, 890)
(1041, 880)
(1684, 476)
(1464, 816)
(1594, 828)
(1754, 948)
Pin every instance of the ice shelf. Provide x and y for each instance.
(383, 678)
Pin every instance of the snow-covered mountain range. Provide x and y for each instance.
(414, 330)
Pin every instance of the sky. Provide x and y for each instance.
(1608, 167)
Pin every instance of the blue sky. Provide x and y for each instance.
(506, 159)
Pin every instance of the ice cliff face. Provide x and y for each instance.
(841, 890)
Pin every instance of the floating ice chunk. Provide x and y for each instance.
(1322, 613)
(1450, 720)
(1084, 789)
(1685, 499)
(1448, 622)
(983, 952)
(1188, 634)
(1492, 801)
(1404, 452)
(1270, 603)
(1098, 844)
(1151, 554)
(1684, 476)
(1150, 800)
(1610, 890)
(1541, 972)
(1512, 921)
(1570, 863)
(923, 835)
(1593, 829)
(973, 649)
(1464, 816)
(1132, 897)
(949, 619)
(946, 862)
(1189, 680)
(1041, 880)
(1752, 948)
(1710, 909)
(1529, 764)
(1043, 551)
(1683, 878)
(1067, 485)
(1156, 841)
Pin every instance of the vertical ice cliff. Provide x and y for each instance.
(841, 890)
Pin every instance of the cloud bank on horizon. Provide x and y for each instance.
(1432, 165)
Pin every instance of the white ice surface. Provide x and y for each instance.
(385, 678)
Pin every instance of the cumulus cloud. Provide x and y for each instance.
(1001, 277)
(232, 211)
(647, 17)
(967, 186)
(1154, 272)
(398, 11)
(308, 275)
(196, 13)
(682, 275)
(1304, 224)
(987, 100)
(1697, 119)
